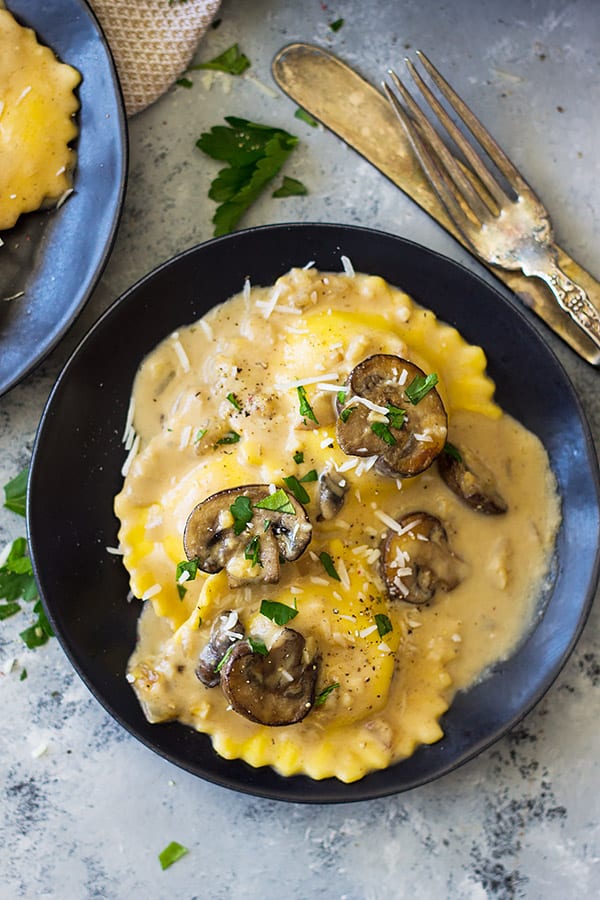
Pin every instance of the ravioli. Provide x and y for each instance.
(225, 403)
(37, 124)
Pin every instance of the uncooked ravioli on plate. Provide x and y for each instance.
(332, 525)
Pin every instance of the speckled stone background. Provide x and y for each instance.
(88, 817)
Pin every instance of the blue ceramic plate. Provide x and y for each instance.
(78, 455)
(56, 257)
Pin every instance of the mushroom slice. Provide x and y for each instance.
(471, 480)
(226, 629)
(276, 689)
(379, 418)
(248, 547)
(417, 561)
(332, 492)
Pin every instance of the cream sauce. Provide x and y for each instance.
(392, 689)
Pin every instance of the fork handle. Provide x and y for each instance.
(569, 295)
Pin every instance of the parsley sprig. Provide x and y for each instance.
(17, 581)
(255, 154)
(232, 61)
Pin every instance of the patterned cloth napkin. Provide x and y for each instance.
(152, 42)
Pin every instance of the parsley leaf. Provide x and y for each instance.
(290, 187)
(15, 493)
(185, 82)
(255, 154)
(278, 502)
(396, 416)
(296, 488)
(452, 451)
(241, 510)
(278, 612)
(231, 61)
(16, 575)
(41, 630)
(311, 475)
(347, 412)
(8, 609)
(306, 410)
(384, 626)
(382, 431)
(234, 401)
(171, 854)
(230, 437)
(257, 645)
(420, 387)
(305, 117)
(335, 26)
(298, 457)
(322, 697)
(252, 551)
(189, 566)
(328, 565)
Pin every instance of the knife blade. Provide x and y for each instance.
(358, 113)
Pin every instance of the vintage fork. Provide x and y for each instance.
(513, 232)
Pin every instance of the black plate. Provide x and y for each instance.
(78, 454)
(56, 257)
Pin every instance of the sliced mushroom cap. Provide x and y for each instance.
(210, 535)
(417, 561)
(405, 436)
(276, 689)
(226, 629)
(471, 480)
(332, 491)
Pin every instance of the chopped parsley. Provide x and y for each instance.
(255, 154)
(252, 551)
(38, 634)
(311, 475)
(231, 61)
(224, 658)
(306, 410)
(278, 502)
(257, 645)
(452, 451)
(278, 612)
(234, 401)
(15, 493)
(241, 510)
(346, 413)
(200, 434)
(17, 581)
(322, 697)
(335, 26)
(341, 396)
(384, 626)
(396, 416)
(305, 117)
(185, 82)
(420, 387)
(23, 675)
(230, 437)
(171, 854)
(191, 567)
(296, 489)
(290, 187)
(382, 431)
(328, 565)
(298, 457)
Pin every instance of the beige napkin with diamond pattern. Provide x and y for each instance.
(152, 42)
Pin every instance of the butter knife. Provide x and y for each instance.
(357, 112)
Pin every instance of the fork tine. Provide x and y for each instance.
(462, 183)
(459, 139)
(437, 177)
(493, 150)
